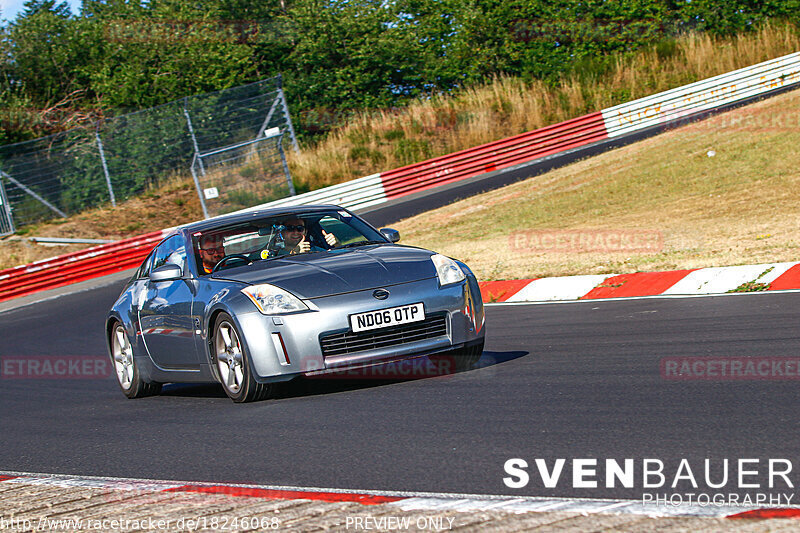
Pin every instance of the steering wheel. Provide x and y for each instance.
(240, 257)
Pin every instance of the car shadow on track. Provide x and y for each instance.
(361, 378)
(391, 373)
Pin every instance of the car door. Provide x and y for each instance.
(165, 315)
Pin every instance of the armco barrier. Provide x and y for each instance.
(676, 105)
(494, 156)
(669, 107)
(77, 266)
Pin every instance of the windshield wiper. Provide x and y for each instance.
(360, 243)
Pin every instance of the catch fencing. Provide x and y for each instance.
(6, 222)
(248, 173)
(120, 157)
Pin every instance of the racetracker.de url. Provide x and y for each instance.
(202, 523)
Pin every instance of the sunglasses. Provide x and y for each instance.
(289, 227)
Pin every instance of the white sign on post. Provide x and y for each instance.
(211, 193)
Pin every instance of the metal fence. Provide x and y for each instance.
(120, 157)
(6, 223)
(242, 175)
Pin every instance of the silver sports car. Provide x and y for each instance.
(253, 299)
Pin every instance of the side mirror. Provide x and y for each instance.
(168, 272)
(392, 234)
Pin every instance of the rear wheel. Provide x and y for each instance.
(125, 366)
(233, 365)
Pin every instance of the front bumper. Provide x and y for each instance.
(300, 334)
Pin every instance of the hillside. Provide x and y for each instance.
(737, 207)
(723, 191)
(445, 123)
(381, 141)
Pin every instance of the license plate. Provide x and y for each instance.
(392, 316)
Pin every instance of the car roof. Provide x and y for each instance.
(244, 216)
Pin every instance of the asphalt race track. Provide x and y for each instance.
(578, 380)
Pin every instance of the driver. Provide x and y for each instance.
(211, 251)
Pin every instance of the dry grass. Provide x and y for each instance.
(737, 207)
(443, 124)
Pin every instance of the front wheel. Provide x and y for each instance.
(467, 358)
(233, 365)
(125, 366)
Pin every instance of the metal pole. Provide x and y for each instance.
(289, 122)
(285, 165)
(199, 190)
(263, 127)
(7, 208)
(194, 139)
(105, 167)
(285, 106)
(58, 211)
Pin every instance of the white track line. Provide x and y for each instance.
(656, 296)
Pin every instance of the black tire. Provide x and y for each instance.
(232, 362)
(126, 368)
(467, 357)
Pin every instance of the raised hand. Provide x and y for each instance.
(330, 238)
(302, 247)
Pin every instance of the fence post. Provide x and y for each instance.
(6, 208)
(285, 107)
(264, 124)
(105, 166)
(194, 139)
(279, 140)
(197, 186)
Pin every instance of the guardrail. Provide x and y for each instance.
(672, 107)
(77, 266)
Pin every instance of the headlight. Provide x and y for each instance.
(448, 270)
(272, 300)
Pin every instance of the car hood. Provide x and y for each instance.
(338, 271)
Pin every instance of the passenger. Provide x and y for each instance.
(294, 235)
(211, 250)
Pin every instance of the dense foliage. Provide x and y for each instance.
(58, 68)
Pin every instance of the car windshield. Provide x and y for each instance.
(278, 236)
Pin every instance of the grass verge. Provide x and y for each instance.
(723, 191)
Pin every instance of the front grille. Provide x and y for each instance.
(349, 342)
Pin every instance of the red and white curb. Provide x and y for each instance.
(697, 282)
(407, 501)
